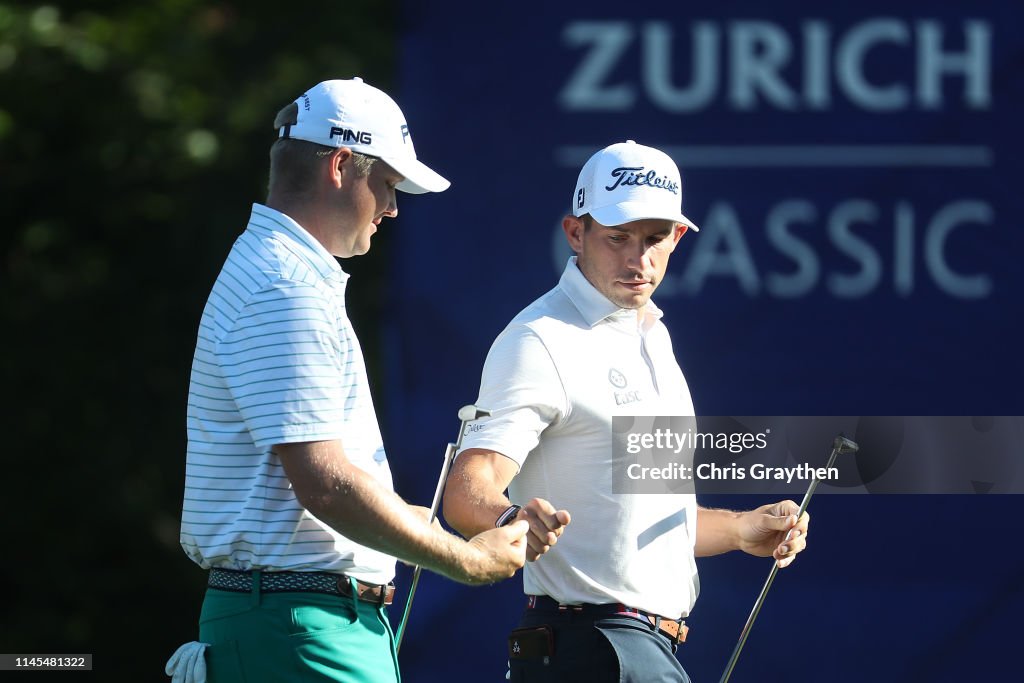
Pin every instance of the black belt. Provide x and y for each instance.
(300, 582)
(673, 629)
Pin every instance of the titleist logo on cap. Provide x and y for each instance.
(634, 175)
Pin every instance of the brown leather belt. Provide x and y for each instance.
(675, 630)
(368, 592)
(300, 582)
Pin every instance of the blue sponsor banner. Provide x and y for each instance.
(856, 173)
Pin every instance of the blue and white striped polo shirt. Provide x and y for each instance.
(276, 362)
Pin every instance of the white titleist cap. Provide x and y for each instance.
(358, 116)
(629, 182)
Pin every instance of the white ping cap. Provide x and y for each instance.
(629, 182)
(365, 119)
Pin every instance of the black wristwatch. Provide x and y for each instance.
(508, 516)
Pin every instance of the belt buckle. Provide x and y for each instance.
(659, 622)
(681, 630)
(345, 588)
(364, 591)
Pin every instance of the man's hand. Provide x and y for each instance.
(495, 554)
(546, 525)
(774, 530)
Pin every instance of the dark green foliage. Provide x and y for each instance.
(133, 139)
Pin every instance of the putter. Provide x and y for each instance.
(840, 445)
(466, 414)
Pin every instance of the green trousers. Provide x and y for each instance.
(295, 637)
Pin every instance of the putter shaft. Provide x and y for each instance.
(449, 456)
(466, 414)
(840, 445)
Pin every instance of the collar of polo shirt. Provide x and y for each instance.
(595, 307)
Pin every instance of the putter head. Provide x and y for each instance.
(842, 445)
(471, 412)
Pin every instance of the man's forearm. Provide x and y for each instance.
(354, 504)
(717, 532)
(474, 496)
(474, 500)
(470, 508)
(369, 514)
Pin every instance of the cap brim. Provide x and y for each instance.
(418, 177)
(625, 212)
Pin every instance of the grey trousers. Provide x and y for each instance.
(594, 648)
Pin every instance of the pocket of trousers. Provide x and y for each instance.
(311, 621)
(531, 643)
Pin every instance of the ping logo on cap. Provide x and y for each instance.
(361, 137)
(634, 175)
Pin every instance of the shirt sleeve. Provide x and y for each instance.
(283, 363)
(521, 387)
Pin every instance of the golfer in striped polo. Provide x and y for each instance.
(288, 495)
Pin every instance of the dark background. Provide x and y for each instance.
(133, 139)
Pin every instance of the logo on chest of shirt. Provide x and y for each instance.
(618, 380)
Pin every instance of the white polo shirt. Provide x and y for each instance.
(553, 379)
(276, 361)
